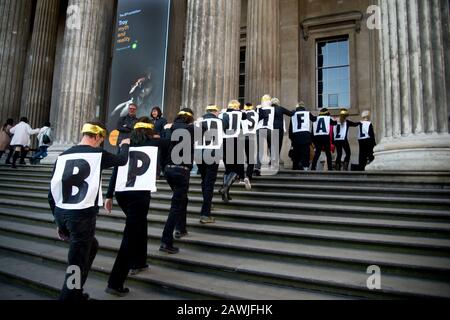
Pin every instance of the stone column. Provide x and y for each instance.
(37, 88)
(415, 70)
(86, 52)
(263, 65)
(15, 27)
(211, 66)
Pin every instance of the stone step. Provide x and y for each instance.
(274, 207)
(286, 197)
(429, 221)
(293, 188)
(403, 175)
(48, 275)
(200, 285)
(296, 234)
(158, 212)
(329, 252)
(16, 290)
(325, 278)
(421, 181)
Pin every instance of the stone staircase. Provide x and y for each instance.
(294, 236)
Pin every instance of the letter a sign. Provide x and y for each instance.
(76, 181)
(139, 174)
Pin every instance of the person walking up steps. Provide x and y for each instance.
(178, 168)
(133, 184)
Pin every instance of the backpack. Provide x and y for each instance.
(46, 138)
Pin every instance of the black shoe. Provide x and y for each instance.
(206, 219)
(224, 195)
(168, 249)
(14, 166)
(121, 292)
(85, 297)
(179, 235)
(257, 173)
(135, 271)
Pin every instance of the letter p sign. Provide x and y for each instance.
(139, 164)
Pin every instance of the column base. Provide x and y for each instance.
(54, 151)
(425, 153)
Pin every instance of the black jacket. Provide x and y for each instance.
(280, 112)
(125, 125)
(167, 134)
(372, 139)
(301, 137)
(163, 146)
(225, 120)
(350, 124)
(108, 161)
(159, 125)
(204, 129)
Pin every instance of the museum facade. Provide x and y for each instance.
(387, 56)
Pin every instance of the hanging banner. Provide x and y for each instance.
(139, 58)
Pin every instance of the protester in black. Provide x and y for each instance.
(177, 172)
(300, 135)
(278, 123)
(77, 226)
(367, 142)
(233, 143)
(209, 169)
(340, 139)
(322, 139)
(271, 118)
(251, 144)
(135, 204)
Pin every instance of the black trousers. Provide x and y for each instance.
(365, 153)
(266, 135)
(16, 154)
(251, 154)
(301, 156)
(343, 145)
(209, 177)
(133, 249)
(322, 143)
(178, 179)
(235, 162)
(83, 248)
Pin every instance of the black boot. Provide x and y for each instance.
(222, 191)
(8, 158)
(15, 157)
(225, 191)
(346, 166)
(338, 166)
(234, 177)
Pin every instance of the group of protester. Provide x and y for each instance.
(148, 144)
(328, 134)
(16, 139)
